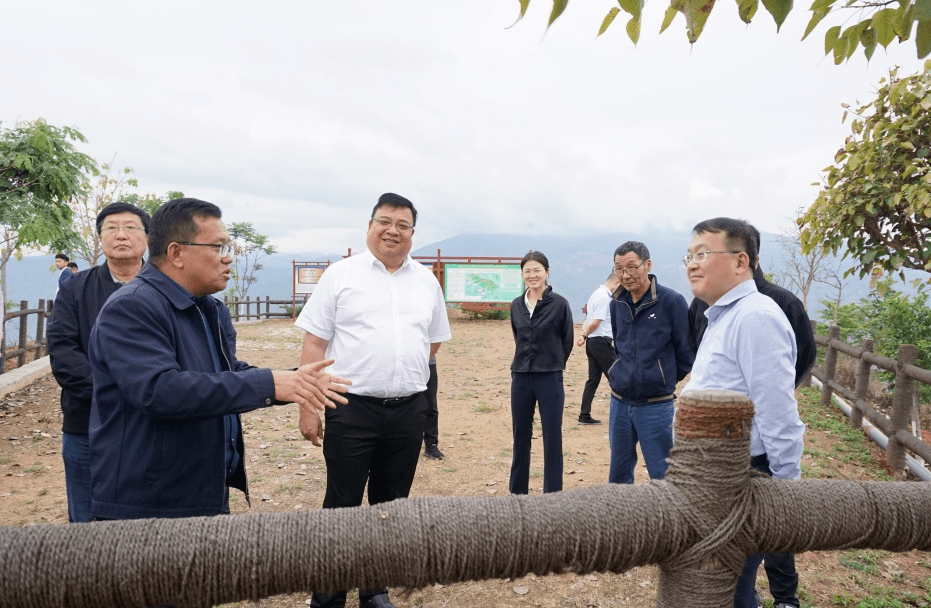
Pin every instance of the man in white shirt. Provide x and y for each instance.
(382, 315)
(599, 343)
(749, 347)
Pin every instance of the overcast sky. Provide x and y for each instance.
(297, 115)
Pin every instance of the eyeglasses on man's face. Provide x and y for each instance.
(385, 223)
(700, 256)
(226, 250)
(129, 230)
(620, 271)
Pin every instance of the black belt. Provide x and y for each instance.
(651, 400)
(388, 402)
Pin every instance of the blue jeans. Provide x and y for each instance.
(75, 451)
(649, 424)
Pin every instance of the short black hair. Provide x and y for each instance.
(61, 256)
(535, 256)
(174, 222)
(121, 207)
(72, 266)
(635, 247)
(738, 234)
(390, 199)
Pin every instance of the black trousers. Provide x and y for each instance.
(370, 441)
(601, 357)
(529, 389)
(431, 428)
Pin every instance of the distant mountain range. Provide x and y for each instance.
(577, 265)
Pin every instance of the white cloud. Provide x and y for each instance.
(296, 116)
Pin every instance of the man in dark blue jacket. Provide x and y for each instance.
(122, 230)
(165, 434)
(651, 338)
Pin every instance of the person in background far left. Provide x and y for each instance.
(122, 229)
(64, 273)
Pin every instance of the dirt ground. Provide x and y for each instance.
(287, 473)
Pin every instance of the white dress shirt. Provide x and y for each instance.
(379, 325)
(598, 307)
(749, 347)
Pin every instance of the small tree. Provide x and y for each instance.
(801, 270)
(251, 248)
(40, 170)
(875, 205)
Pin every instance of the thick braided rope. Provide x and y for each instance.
(698, 525)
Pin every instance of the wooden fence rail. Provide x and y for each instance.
(241, 310)
(894, 426)
(24, 345)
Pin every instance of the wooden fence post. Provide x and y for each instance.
(23, 336)
(830, 366)
(901, 415)
(268, 308)
(40, 332)
(863, 384)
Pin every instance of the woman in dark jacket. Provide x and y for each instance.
(543, 334)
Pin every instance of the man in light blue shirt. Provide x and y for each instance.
(749, 347)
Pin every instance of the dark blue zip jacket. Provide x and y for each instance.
(157, 432)
(652, 344)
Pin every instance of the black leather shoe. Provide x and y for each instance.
(378, 601)
(588, 420)
(431, 451)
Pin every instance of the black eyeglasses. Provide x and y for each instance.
(226, 250)
(629, 271)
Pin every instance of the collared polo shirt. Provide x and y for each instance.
(379, 325)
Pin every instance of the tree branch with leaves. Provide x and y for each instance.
(876, 21)
(875, 203)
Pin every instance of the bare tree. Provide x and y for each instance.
(802, 270)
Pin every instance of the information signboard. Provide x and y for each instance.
(306, 277)
(483, 282)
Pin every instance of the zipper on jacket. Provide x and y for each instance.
(659, 364)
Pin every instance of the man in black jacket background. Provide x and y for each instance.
(122, 229)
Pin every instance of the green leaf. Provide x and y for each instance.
(883, 22)
(840, 49)
(523, 11)
(821, 5)
(779, 9)
(830, 37)
(923, 39)
(904, 17)
(667, 18)
(922, 10)
(816, 17)
(868, 40)
(633, 29)
(696, 14)
(558, 7)
(609, 18)
(746, 9)
(632, 7)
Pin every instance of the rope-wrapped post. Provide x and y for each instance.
(698, 525)
(710, 466)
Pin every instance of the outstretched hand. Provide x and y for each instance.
(310, 386)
